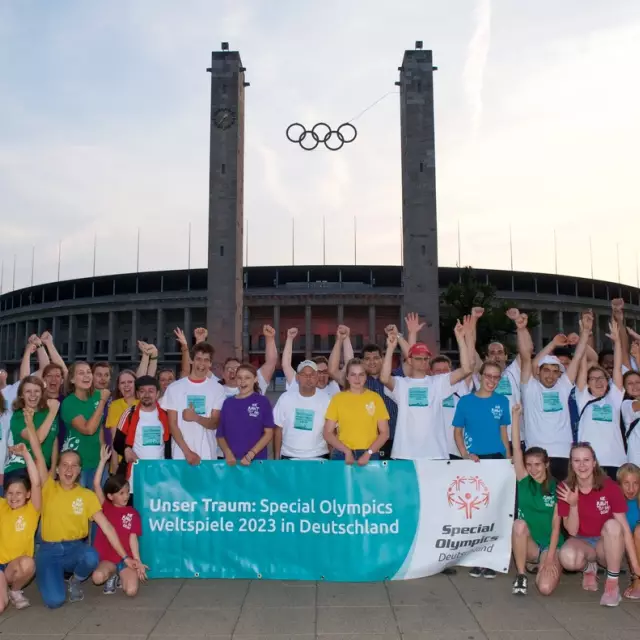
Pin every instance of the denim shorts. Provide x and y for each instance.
(592, 541)
(3, 567)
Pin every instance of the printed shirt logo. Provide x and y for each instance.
(468, 441)
(468, 494)
(127, 520)
(20, 524)
(549, 501)
(497, 412)
(77, 506)
(72, 443)
(253, 410)
(603, 505)
(371, 408)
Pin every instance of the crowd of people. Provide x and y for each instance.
(566, 417)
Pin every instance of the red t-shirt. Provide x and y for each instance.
(125, 520)
(595, 508)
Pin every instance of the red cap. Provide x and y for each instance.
(419, 349)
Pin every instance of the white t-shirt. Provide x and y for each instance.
(509, 386)
(9, 393)
(148, 443)
(600, 425)
(331, 389)
(633, 444)
(205, 396)
(448, 410)
(547, 414)
(302, 423)
(419, 428)
(262, 383)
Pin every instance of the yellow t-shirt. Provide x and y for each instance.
(116, 409)
(357, 415)
(17, 530)
(66, 514)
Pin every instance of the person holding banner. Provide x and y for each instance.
(480, 424)
(536, 533)
(67, 510)
(362, 416)
(599, 402)
(246, 421)
(419, 428)
(125, 520)
(593, 510)
(299, 416)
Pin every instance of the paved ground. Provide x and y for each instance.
(437, 608)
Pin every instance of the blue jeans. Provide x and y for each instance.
(338, 455)
(53, 559)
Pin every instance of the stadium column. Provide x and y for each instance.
(276, 324)
(372, 323)
(133, 347)
(71, 338)
(340, 314)
(187, 326)
(308, 342)
(245, 332)
(560, 322)
(91, 324)
(111, 347)
(226, 217)
(160, 334)
(419, 216)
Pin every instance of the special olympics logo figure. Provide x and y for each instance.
(468, 494)
(321, 133)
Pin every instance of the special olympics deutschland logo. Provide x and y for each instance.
(468, 494)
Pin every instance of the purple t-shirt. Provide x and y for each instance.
(242, 423)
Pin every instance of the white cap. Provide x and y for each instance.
(307, 363)
(554, 361)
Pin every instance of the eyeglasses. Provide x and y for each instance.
(490, 377)
(420, 358)
(597, 379)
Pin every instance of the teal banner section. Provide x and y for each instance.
(285, 520)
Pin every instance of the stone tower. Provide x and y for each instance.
(226, 217)
(419, 218)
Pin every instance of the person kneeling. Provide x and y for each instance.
(112, 570)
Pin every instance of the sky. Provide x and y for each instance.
(104, 112)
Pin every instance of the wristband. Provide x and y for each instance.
(122, 565)
(153, 357)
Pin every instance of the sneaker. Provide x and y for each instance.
(611, 596)
(76, 594)
(590, 580)
(110, 586)
(476, 572)
(520, 585)
(490, 574)
(19, 600)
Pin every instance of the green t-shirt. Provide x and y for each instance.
(88, 447)
(536, 508)
(18, 426)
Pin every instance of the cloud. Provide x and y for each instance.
(476, 62)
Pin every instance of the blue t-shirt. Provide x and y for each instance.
(633, 513)
(481, 419)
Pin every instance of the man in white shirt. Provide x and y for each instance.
(545, 396)
(299, 415)
(419, 429)
(193, 405)
(143, 430)
(331, 387)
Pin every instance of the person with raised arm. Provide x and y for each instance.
(419, 428)
(41, 355)
(630, 412)
(112, 571)
(599, 403)
(54, 356)
(193, 405)
(536, 534)
(545, 396)
(32, 407)
(593, 511)
(83, 413)
(148, 359)
(324, 384)
(19, 517)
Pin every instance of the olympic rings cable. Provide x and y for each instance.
(322, 133)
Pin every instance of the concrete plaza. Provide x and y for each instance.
(436, 608)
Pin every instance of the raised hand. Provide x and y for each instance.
(560, 340)
(614, 331)
(412, 320)
(142, 347)
(573, 339)
(617, 306)
(19, 450)
(105, 454)
(152, 350)
(268, 331)
(28, 414)
(200, 334)
(35, 339)
(53, 405)
(391, 329)
(105, 394)
(459, 330)
(522, 321)
(586, 321)
(46, 338)
(477, 313)
(392, 340)
(292, 333)
(180, 337)
(570, 497)
(343, 332)
(513, 314)
(635, 350)
(3, 378)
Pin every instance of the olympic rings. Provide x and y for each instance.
(322, 133)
